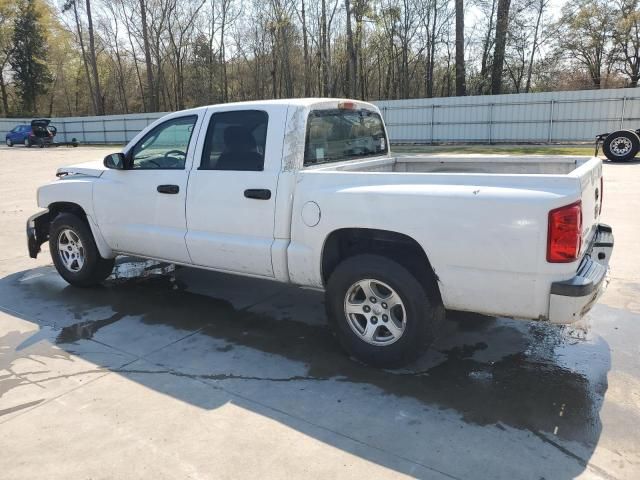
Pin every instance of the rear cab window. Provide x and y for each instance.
(336, 135)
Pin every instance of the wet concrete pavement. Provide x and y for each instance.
(177, 373)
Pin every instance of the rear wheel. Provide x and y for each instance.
(379, 311)
(27, 142)
(74, 252)
(621, 146)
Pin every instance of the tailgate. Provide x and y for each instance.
(589, 173)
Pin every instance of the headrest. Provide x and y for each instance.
(237, 137)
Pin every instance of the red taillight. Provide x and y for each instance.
(601, 194)
(564, 235)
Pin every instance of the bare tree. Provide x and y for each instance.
(350, 80)
(72, 5)
(502, 24)
(153, 99)
(541, 6)
(461, 87)
(487, 44)
(180, 31)
(99, 102)
(305, 43)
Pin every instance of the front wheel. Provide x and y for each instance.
(9, 142)
(379, 311)
(621, 146)
(74, 252)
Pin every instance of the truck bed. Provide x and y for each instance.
(473, 215)
(483, 164)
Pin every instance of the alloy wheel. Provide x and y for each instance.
(70, 250)
(375, 312)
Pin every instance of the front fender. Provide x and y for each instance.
(76, 190)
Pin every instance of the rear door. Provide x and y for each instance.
(232, 187)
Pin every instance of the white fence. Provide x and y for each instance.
(554, 117)
(118, 129)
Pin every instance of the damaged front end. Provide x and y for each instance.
(37, 231)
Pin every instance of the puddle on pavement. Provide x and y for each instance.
(125, 269)
(85, 330)
(491, 371)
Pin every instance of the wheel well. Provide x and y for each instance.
(64, 207)
(39, 232)
(401, 248)
(68, 207)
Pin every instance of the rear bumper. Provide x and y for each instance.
(571, 299)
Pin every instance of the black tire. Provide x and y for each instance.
(420, 322)
(9, 142)
(95, 268)
(27, 142)
(621, 146)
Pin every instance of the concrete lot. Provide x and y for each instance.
(192, 374)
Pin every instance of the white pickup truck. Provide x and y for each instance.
(306, 191)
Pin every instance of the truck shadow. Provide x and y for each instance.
(486, 384)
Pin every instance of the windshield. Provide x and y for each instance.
(336, 135)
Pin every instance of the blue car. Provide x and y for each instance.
(19, 135)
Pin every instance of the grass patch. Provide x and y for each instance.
(498, 149)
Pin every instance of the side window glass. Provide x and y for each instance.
(235, 141)
(165, 147)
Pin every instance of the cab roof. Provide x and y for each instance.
(302, 102)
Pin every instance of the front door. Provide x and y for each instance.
(141, 210)
(231, 195)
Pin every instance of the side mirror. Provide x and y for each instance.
(115, 161)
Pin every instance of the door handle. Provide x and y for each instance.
(171, 189)
(258, 193)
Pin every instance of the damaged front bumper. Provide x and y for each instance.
(571, 299)
(37, 231)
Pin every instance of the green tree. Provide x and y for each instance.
(7, 13)
(29, 55)
(626, 39)
(585, 33)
